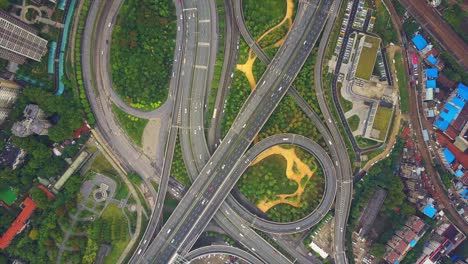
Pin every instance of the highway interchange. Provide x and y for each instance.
(218, 173)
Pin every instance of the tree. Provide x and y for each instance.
(33, 234)
(377, 250)
(40, 198)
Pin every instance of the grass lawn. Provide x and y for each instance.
(102, 165)
(365, 142)
(382, 121)
(132, 125)
(367, 58)
(402, 81)
(111, 213)
(8, 195)
(353, 122)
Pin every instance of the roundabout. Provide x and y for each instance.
(312, 218)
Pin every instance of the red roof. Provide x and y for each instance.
(405, 132)
(414, 59)
(394, 256)
(451, 132)
(85, 128)
(417, 225)
(410, 143)
(417, 157)
(409, 235)
(401, 247)
(18, 224)
(49, 195)
(445, 142)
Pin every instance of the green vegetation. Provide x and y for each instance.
(66, 107)
(456, 17)
(452, 69)
(218, 67)
(267, 179)
(383, 24)
(111, 228)
(74, 73)
(402, 81)
(178, 170)
(365, 142)
(396, 208)
(132, 125)
(410, 26)
(367, 58)
(289, 118)
(400, 9)
(353, 122)
(262, 15)
(4, 4)
(40, 247)
(238, 93)
(304, 83)
(101, 165)
(142, 50)
(382, 121)
(40, 161)
(8, 195)
(446, 178)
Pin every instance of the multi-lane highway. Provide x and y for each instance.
(211, 187)
(220, 249)
(192, 133)
(345, 183)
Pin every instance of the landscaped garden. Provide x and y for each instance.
(285, 182)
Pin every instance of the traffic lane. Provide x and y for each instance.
(221, 249)
(288, 79)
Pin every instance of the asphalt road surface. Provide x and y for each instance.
(211, 187)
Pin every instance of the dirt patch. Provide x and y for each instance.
(247, 67)
(150, 138)
(296, 170)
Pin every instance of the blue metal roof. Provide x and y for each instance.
(419, 42)
(458, 173)
(412, 243)
(449, 155)
(465, 194)
(462, 91)
(430, 84)
(432, 73)
(441, 124)
(460, 103)
(430, 211)
(432, 60)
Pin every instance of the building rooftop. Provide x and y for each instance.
(19, 223)
(393, 257)
(431, 84)
(419, 42)
(432, 73)
(431, 59)
(430, 211)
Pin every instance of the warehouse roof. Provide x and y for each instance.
(419, 42)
